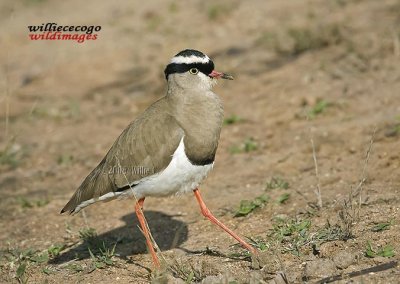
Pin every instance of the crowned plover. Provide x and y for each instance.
(168, 149)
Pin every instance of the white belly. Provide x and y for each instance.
(179, 176)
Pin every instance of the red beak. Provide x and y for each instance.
(217, 75)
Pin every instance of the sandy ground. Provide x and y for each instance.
(320, 71)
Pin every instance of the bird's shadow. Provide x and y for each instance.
(128, 239)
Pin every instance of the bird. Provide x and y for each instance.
(167, 150)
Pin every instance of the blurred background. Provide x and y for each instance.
(320, 71)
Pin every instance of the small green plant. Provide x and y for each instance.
(173, 7)
(153, 20)
(11, 154)
(40, 257)
(186, 271)
(20, 273)
(292, 234)
(74, 109)
(232, 119)
(330, 233)
(65, 159)
(283, 198)
(55, 250)
(26, 203)
(277, 182)
(248, 145)
(87, 234)
(396, 129)
(216, 11)
(311, 38)
(386, 251)
(248, 206)
(393, 129)
(258, 243)
(318, 108)
(381, 227)
(104, 256)
(268, 39)
(100, 253)
(48, 270)
(288, 227)
(90, 238)
(42, 202)
(74, 267)
(22, 258)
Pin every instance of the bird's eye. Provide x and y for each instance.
(194, 71)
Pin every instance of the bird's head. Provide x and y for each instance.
(193, 69)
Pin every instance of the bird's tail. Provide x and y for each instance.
(96, 185)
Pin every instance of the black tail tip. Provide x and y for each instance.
(68, 211)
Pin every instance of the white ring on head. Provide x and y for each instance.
(190, 59)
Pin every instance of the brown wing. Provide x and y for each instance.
(145, 147)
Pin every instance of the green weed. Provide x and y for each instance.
(318, 108)
(173, 7)
(71, 110)
(26, 203)
(330, 233)
(248, 206)
(55, 250)
(11, 154)
(269, 40)
(74, 267)
(247, 146)
(277, 182)
(232, 119)
(308, 39)
(292, 234)
(22, 258)
(74, 109)
(186, 271)
(48, 271)
(153, 20)
(20, 273)
(87, 234)
(258, 243)
(103, 257)
(100, 253)
(386, 251)
(393, 130)
(216, 11)
(40, 257)
(65, 159)
(283, 198)
(298, 40)
(381, 227)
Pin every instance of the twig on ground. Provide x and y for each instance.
(85, 218)
(318, 190)
(359, 189)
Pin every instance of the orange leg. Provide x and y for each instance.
(206, 212)
(140, 216)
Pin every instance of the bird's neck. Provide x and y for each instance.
(200, 115)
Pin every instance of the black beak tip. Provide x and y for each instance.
(227, 76)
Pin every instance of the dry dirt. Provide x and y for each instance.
(326, 71)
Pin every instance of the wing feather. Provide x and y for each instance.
(145, 147)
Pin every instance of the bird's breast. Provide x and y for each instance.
(180, 176)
